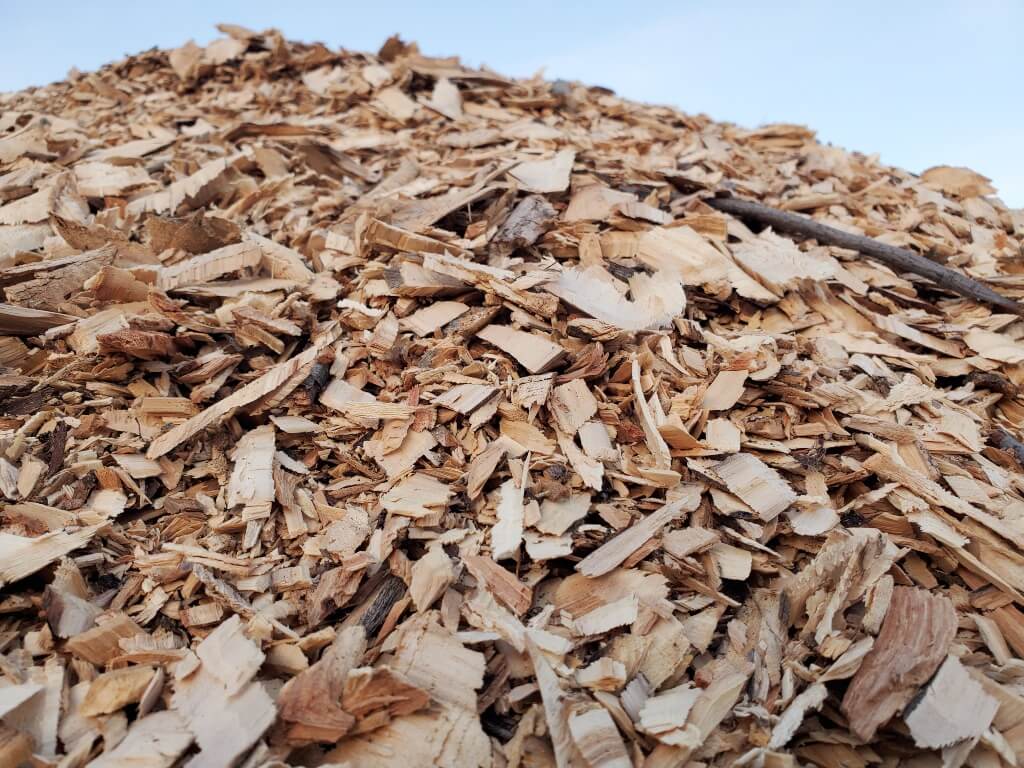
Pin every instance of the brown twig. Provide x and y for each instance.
(899, 259)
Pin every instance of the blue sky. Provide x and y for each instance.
(920, 83)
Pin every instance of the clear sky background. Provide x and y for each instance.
(920, 82)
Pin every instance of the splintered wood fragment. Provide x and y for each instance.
(757, 484)
(138, 466)
(614, 552)
(598, 740)
(13, 696)
(295, 577)
(426, 321)
(441, 736)
(486, 461)
(530, 219)
(571, 405)
(103, 642)
(376, 695)
(683, 542)
(334, 589)
(295, 425)
(1003, 440)
(888, 469)
(416, 496)
(401, 460)
(655, 442)
(535, 353)
(431, 576)
(252, 479)
(809, 699)
(114, 690)
(67, 613)
(500, 582)
(46, 285)
(497, 281)
(617, 613)
(913, 641)
(722, 435)
(779, 265)
(434, 659)
(254, 390)
(372, 410)
(899, 259)
(725, 391)
(410, 279)
(556, 709)
(280, 261)
(209, 266)
(39, 716)
(178, 192)
(309, 702)
(222, 591)
(166, 730)
(954, 707)
(507, 533)
(712, 706)
(465, 398)
(532, 390)
(15, 746)
(21, 556)
(733, 563)
(340, 395)
(656, 299)
(556, 517)
(225, 709)
(596, 442)
(26, 321)
(664, 716)
(550, 175)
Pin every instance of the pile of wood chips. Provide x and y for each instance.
(372, 410)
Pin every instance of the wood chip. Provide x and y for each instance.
(614, 552)
(534, 353)
(954, 707)
(914, 639)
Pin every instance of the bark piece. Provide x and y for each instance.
(530, 219)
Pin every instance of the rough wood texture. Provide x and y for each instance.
(914, 640)
(370, 409)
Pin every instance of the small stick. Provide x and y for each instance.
(899, 259)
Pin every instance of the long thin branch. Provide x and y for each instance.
(899, 259)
